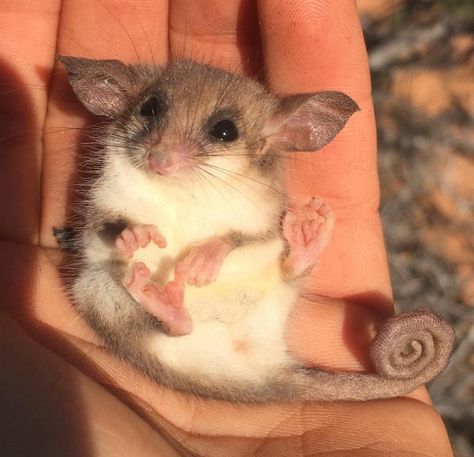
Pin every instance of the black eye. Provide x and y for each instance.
(150, 108)
(225, 130)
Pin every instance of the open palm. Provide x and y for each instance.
(56, 371)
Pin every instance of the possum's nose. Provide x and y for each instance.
(166, 161)
(160, 165)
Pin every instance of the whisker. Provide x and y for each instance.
(209, 181)
(238, 176)
(227, 184)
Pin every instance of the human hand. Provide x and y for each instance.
(305, 46)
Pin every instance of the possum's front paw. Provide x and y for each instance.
(307, 230)
(138, 236)
(166, 303)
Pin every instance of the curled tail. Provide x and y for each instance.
(409, 350)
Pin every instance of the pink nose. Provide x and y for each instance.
(161, 165)
(168, 157)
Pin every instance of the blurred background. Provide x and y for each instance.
(422, 63)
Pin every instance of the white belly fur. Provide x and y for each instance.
(239, 321)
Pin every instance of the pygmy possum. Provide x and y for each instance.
(189, 255)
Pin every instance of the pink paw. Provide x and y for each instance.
(138, 236)
(165, 303)
(202, 263)
(308, 230)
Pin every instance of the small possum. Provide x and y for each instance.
(191, 254)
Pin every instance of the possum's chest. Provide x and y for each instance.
(186, 212)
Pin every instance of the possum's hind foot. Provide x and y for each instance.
(307, 230)
(163, 302)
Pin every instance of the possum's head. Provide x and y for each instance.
(187, 116)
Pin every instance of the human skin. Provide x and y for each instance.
(62, 389)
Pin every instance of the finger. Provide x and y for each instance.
(134, 32)
(312, 46)
(219, 32)
(26, 59)
(157, 237)
(142, 235)
(122, 246)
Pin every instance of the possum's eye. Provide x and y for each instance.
(150, 108)
(225, 130)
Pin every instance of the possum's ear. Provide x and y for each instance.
(307, 122)
(103, 86)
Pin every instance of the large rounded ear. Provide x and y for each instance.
(307, 122)
(103, 86)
